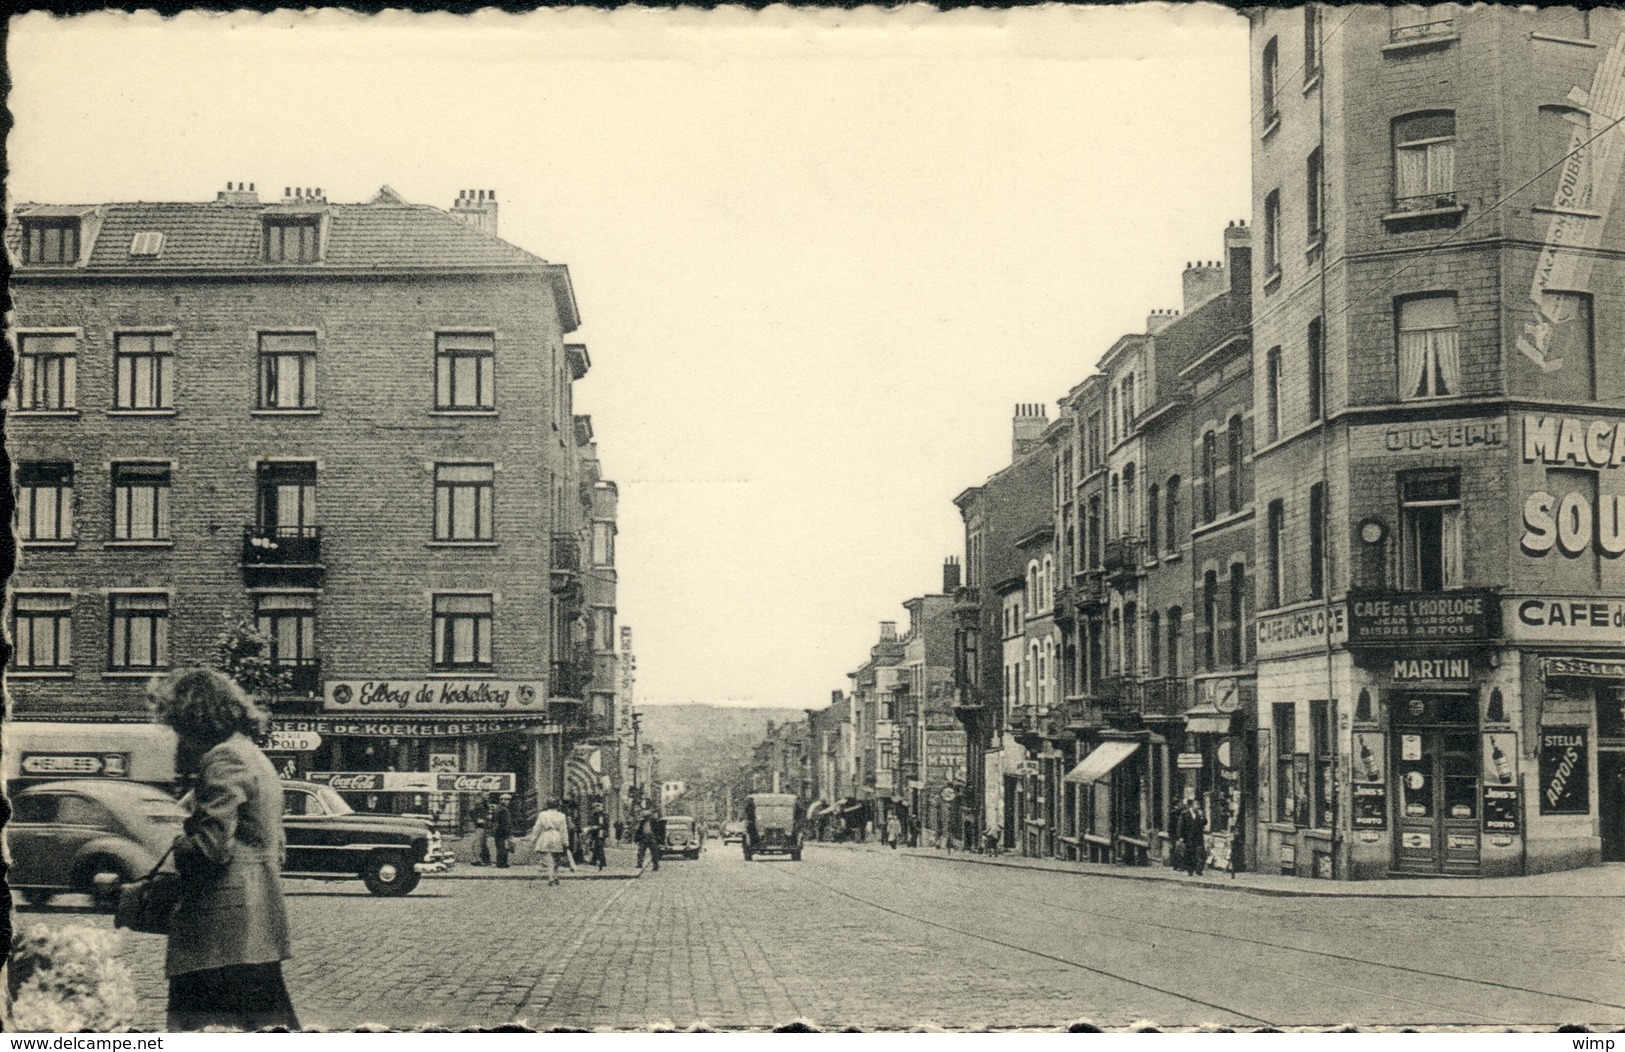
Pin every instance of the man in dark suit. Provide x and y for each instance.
(651, 833)
(500, 823)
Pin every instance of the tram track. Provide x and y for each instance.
(1183, 933)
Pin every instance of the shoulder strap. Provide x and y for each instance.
(160, 863)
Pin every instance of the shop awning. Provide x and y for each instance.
(1099, 764)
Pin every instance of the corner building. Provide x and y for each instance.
(351, 424)
(1439, 404)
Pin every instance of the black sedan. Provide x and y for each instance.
(330, 840)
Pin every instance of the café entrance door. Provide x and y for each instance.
(1436, 746)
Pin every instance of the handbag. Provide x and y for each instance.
(148, 904)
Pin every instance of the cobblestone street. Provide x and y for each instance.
(873, 938)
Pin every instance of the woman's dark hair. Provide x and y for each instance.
(205, 707)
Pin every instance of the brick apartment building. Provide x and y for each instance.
(351, 424)
(1438, 372)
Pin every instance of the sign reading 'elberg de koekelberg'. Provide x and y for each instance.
(433, 695)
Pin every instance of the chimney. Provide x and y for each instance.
(477, 208)
(950, 575)
(1158, 320)
(236, 194)
(303, 195)
(888, 631)
(1028, 426)
(836, 697)
(1238, 256)
(1203, 281)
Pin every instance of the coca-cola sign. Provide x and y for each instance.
(474, 783)
(414, 781)
(385, 695)
(350, 781)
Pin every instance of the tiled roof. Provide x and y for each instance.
(216, 235)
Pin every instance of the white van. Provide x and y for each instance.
(40, 751)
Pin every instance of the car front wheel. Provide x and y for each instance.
(390, 875)
(100, 878)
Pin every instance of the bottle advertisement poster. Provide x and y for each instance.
(1368, 756)
(1500, 758)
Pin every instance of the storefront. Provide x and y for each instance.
(1212, 760)
(1123, 779)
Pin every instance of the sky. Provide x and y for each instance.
(819, 256)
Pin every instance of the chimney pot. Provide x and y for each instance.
(251, 187)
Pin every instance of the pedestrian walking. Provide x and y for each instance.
(229, 935)
(551, 835)
(1191, 830)
(500, 825)
(482, 846)
(894, 831)
(651, 832)
(620, 831)
(597, 834)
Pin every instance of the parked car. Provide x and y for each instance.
(772, 825)
(683, 837)
(86, 836)
(733, 832)
(330, 840)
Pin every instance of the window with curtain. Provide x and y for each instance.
(47, 372)
(1430, 513)
(287, 370)
(44, 501)
(140, 502)
(464, 496)
(1428, 349)
(289, 621)
(1323, 746)
(462, 631)
(1285, 721)
(465, 366)
(138, 636)
(1129, 525)
(287, 498)
(42, 630)
(144, 371)
(1424, 161)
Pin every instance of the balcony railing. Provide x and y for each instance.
(1090, 586)
(1168, 696)
(1425, 202)
(1421, 31)
(566, 564)
(1123, 558)
(282, 545)
(569, 679)
(302, 678)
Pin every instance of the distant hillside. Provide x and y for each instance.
(696, 743)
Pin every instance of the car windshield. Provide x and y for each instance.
(779, 815)
(332, 801)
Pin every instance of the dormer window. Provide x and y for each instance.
(53, 240)
(291, 239)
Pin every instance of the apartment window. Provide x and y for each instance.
(287, 498)
(1176, 619)
(462, 631)
(603, 544)
(465, 364)
(1129, 404)
(45, 502)
(1153, 642)
(1276, 523)
(1420, 21)
(47, 371)
(138, 637)
(1238, 593)
(1069, 553)
(53, 240)
(1311, 42)
(604, 623)
(1093, 436)
(1131, 638)
(1272, 234)
(1315, 366)
(140, 502)
(1314, 194)
(289, 622)
(1269, 70)
(1210, 620)
(1234, 439)
(1092, 538)
(1430, 514)
(1130, 506)
(144, 371)
(1317, 541)
(1152, 538)
(287, 370)
(1171, 513)
(1114, 653)
(42, 630)
(1114, 417)
(1323, 789)
(1066, 473)
(1561, 331)
(1424, 161)
(1428, 348)
(1272, 395)
(463, 495)
(1286, 744)
(1210, 482)
(1114, 507)
(291, 239)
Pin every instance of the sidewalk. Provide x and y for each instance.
(1597, 882)
(622, 859)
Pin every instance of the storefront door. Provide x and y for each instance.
(1438, 780)
(1611, 802)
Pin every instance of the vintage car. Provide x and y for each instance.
(330, 840)
(87, 836)
(772, 825)
(684, 837)
(733, 832)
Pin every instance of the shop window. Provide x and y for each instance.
(138, 636)
(1427, 346)
(1430, 512)
(44, 501)
(287, 370)
(1235, 442)
(1285, 721)
(141, 502)
(1317, 540)
(1424, 161)
(144, 371)
(1171, 513)
(1210, 620)
(1315, 366)
(47, 372)
(1323, 745)
(42, 630)
(1176, 618)
(1459, 754)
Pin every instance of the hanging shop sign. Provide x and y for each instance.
(387, 728)
(293, 741)
(1459, 616)
(1565, 619)
(1565, 787)
(433, 695)
(1370, 806)
(1466, 436)
(1501, 809)
(1585, 668)
(75, 764)
(1301, 631)
(413, 782)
